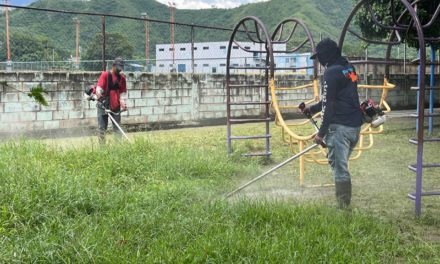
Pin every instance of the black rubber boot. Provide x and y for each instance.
(343, 194)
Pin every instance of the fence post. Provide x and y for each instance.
(104, 64)
(366, 72)
(404, 58)
(192, 49)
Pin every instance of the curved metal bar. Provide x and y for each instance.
(298, 47)
(404, 13)
(269, 73)
(267, 41)
(247, 50)
(258, 32)
(376, 21)
(434, 17)
(437, 39)
(281, 33)
(388, 52)
(280, 28)
(249, 35)
(309, 39)
(393, 12)
(346, 29)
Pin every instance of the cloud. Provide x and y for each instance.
(203, 4)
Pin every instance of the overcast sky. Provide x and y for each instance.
(199, 4)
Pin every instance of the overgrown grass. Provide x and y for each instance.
(160, 200)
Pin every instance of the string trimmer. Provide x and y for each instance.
(294, 157)
(90, 95)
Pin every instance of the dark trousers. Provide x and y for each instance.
(103, 120)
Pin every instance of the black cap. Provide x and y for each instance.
(326, 47)
(119, 63)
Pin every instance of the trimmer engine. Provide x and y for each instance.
(372, 113)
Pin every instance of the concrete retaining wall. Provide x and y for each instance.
(154, 99)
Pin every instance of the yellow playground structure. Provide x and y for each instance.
(290, 39)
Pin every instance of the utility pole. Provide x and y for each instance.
(77, 23)
(147, 40)
(8, 47)
(172, 7)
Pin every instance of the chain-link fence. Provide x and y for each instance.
(43, 39)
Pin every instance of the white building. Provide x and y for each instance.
(210, 57)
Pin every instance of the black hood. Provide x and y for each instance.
(327, 52)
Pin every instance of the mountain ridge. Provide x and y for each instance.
(61, 30)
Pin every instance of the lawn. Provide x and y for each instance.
(162, 199)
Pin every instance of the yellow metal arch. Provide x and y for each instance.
(291, 132)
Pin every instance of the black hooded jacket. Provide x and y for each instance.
(340, 99)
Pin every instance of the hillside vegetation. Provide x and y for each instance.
(60, 28)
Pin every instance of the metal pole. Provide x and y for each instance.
(272, 170)
(104, 64)
(172, 8)
(418, 91)
(431, 91)
(147, 33)
(147, 39)
(404, 58)
(366, 73)
(77, 23)
(192, 49)
(8, 47)
(117, 125)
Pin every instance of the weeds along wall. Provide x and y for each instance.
(155, 100)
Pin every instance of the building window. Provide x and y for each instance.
(205, 65)
(182, 49)
(171, 49)
(195, 48)
(171, 65)
(235, 47)
(161, 65)
(222, 65)
(222, 47)
(256, 54)
(248, 65)
(235, 64)
(247, 47)
(287, 60)
(206, 48)
(214, 70)
(195, 65)
(161, 49)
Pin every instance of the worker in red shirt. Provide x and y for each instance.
(111, 92)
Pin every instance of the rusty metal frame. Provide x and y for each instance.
(416, 24)
(263, 38)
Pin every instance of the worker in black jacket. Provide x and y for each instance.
(341, 115)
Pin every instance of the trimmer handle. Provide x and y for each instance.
(302, 107)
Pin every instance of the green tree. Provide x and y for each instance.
(117, 45)
(29, 47)
(383, 8)
(351, 50)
